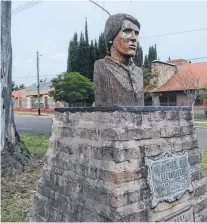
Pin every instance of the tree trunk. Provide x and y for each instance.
(193, 114)
(15, 157)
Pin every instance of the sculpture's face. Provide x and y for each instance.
(126, 40)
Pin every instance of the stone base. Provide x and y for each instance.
(138, 164)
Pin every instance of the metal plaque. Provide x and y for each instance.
(169, 176)
(185, 215)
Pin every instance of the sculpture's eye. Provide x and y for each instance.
(127, 30)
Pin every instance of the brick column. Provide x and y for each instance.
(45, 102)
(31, 102)
(18, 102)
(130, 166)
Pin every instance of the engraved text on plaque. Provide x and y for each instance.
(169, 177)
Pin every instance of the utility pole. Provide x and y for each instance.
(38, 83)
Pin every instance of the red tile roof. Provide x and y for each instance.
(19, 93)
(199, 70)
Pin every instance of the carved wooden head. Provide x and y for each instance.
(126, 40)
(121, 34)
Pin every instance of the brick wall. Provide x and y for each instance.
(164, 72)
(95, 167)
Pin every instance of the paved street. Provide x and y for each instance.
(32, 124)
(43, 125)
(202, 138)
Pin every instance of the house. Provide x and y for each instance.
(46, 102)
(19, 98)
(27, 100)
(170, 80)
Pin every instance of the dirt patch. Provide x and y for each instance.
(16, 194)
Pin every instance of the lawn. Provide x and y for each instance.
(201, 124)
(35, 142)
(204, 161)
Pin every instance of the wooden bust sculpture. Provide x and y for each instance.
(117, 80)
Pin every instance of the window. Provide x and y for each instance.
(168, 100)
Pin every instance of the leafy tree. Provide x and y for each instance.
(71, 87)
(21, 86)
(16, 87)
(190, 84)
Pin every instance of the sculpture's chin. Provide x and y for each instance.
(131, 54)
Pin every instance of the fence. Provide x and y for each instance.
(200, 113)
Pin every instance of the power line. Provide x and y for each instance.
(174, 33)
(198, 58)
(54, 75)
(155, 36)
(24, 7)
(40, 76)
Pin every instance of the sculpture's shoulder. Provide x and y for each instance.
(100, 68)
(137, 70)
(99, 64)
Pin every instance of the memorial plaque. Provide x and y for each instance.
(185, 215)
(169, 177)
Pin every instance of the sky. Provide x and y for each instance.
(48, 27)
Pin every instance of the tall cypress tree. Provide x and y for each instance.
(102, 46)
(69, 55)
(152, 54)
(86, 33)
(81, 55)
(96, 50)
(86, 53)
(91, 60)
(155, 49)
(72, 63)
(146, 62)
(138, 59)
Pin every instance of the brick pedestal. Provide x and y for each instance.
(96, 166)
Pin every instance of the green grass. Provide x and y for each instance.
(32, 114)
(204, 124)
(35, 142)
(204, 161)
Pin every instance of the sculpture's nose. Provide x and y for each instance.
(133, 36)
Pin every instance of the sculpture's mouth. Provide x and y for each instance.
(132, 47)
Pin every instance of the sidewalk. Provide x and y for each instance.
(42, 115)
